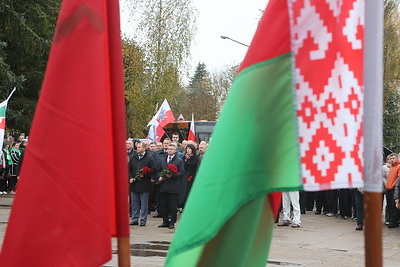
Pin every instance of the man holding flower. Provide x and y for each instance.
(141, 166)
(170, 178)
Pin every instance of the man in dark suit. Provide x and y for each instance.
(129, 148)
(169, 188)
(140, 184)
(158, 156)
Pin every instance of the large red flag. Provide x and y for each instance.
(75, 169)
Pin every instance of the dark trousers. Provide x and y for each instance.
(320, 201)
(153, 197)
(332, 196)
(12, 182)
(359, 207)
(345, 202)
(169, 206)
(3, 184)
(310, 197)
(393, 211)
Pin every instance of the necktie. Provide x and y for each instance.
(140, 157)
(169, 159)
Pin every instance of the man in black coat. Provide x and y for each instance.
(140, 183)
(169, 188)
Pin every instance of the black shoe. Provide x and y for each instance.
(359, 227)
(171, 226)
(393, 225)
(317, 212)
(303, 212)
(164, 224)
(142, 224)
(157, 216)
(134, 223)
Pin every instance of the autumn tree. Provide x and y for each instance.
(165, 32)
(137, 112)
(222, 81)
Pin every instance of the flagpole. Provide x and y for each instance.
(124, 252)
(373, 73)
(12, 92)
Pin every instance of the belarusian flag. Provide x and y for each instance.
(3, 109)
(294, 113)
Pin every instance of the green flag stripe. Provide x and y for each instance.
(230, 249)
(253, 152)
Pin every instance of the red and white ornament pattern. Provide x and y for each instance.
(327, 44)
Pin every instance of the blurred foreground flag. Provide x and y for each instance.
(293, 115)
(72, 195)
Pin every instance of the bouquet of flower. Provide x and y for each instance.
(140, 174)
(171, 170)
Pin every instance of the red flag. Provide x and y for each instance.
(192, 135)
(75, 169)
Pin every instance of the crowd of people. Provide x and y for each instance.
(161, 175)
(346, 203)
(11, 158)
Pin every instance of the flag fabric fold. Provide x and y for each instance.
(294, 113)
(73, 181)
(192, 134)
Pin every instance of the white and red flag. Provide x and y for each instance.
(163, 116)
(3, 108)
(192, 133)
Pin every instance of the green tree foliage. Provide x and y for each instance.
(137, 111)
(26, 31)
(391, 95)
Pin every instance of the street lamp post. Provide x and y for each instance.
(226, 37)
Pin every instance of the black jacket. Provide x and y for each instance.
(190, 166)
(171, 185)
(134, 165)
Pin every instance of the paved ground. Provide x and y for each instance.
(321, 241)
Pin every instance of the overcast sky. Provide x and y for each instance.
(236, 19)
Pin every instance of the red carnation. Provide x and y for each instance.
(146, 170)
(140, 174)
(173, 168)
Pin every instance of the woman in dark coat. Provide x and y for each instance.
(190, 163)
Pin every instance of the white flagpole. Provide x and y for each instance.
(373, 83)
(10, 95)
